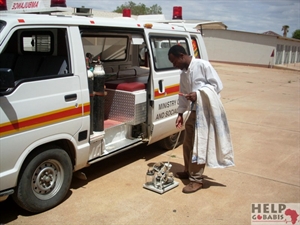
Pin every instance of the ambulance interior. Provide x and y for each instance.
(128, 91)
(126, 78)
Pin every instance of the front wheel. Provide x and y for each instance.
(169, 142)
(44, 181)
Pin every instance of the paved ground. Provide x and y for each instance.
(262, 106)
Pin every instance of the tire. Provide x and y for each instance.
(45, 180)
(169, 143)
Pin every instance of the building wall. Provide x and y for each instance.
(250, 48)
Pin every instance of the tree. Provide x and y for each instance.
(155, 9)
(296, 34)
(140, 9)
(285, 29)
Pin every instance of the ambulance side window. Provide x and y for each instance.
(34, 54)
(37, 41)
(108, 48)
(160, 47)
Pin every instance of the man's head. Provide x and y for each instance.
(178, 56)
(88, 55)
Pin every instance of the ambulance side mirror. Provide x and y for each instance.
(6, 78)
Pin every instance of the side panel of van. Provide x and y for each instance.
(46, 100)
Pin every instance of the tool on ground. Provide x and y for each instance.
(158, 177)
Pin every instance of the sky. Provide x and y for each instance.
(255, 16)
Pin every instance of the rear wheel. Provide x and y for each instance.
(169, 142)
(44, 181)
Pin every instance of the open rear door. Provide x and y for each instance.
(162, 112)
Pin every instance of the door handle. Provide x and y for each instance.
(161, 86)
(71, 97)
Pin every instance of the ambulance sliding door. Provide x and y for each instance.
(165, 84)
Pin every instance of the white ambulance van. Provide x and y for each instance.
(73, 92)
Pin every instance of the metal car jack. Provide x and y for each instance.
(159, 178)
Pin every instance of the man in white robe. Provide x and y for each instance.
(195, 74)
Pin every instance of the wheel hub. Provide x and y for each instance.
(47, 179)
(44, 178)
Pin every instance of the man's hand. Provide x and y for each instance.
(179, 121)
(191, 96)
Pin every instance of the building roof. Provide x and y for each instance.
(271, 33)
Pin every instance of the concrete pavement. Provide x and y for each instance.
(262, 106)
(293, 66)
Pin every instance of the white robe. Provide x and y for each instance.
(212, 144)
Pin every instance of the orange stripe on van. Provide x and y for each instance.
(169, 90)
(43, 119)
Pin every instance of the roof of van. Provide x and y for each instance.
(196, 24)
(60, 19)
